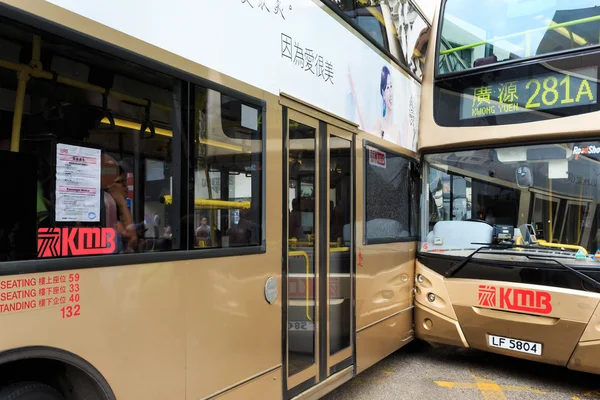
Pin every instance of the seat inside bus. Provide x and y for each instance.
(459, 234)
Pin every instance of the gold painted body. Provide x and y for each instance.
(570, 334)
(197, 329)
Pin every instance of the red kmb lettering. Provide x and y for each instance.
(504, 298)
(64, 242)
(525, 300)
(542, 301)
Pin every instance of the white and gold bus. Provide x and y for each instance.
(205, 199)
(509, 257)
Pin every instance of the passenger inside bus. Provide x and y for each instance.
(114, 193)
(122, 114)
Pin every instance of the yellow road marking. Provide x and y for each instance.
(594, 394)
(456, 385)
(515, 388)
(489, 389)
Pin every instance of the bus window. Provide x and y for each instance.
(100, 133)
(559, 202)
(388, 199)
(473, 35)
(228, 171)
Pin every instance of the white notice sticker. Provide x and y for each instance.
(77, 183)
(249, 117)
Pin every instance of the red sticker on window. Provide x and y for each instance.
(64, 242)
(377, 158)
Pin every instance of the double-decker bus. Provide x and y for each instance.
(509, 256)
(205, 199)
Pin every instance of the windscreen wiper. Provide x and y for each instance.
(453, 270)
(487, 246)
(583, 276)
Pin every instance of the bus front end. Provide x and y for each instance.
(509, 258)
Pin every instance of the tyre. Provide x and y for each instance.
(29, 391)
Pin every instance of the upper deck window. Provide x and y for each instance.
(396, 27)
(367, 15)
(475, 34)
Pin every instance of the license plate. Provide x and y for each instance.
(522, 346)
(300, 326)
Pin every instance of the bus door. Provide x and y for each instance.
(318, 251)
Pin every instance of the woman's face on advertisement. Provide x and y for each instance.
(388, 97)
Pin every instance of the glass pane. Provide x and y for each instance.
(574, 222)
(504, 30)
(340, 247)
(301, 255)
(227, 201)
(388, 198)
(93, 170)
(543, 220)
(550, 188)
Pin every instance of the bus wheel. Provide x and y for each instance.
(29, 391)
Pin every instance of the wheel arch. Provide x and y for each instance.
(78, 372)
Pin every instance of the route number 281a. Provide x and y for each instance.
(553, 91)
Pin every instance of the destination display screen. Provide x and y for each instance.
(538, 93)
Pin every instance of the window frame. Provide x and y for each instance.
(498, 65)
(412, 237)
(184, 82)
(364, 35)
(189, 176)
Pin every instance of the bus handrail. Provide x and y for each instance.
(202, 204)
(338, 249)
(544, 243)
(299, 253)
(552, 27)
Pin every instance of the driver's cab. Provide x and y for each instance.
(507, 259)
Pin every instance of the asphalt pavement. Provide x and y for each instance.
(419, 371)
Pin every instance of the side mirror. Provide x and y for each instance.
(524, 177)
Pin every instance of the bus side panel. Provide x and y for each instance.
(233, 332)
(267, 386)
(384, 318)
(230, 333)
(129, 324)
(384, 287)
(384, 282)
(382, 339)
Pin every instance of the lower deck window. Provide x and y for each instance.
(391, 193)
(90, 162)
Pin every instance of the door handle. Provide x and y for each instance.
(516, 317)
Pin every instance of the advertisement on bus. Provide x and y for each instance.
(297, 47)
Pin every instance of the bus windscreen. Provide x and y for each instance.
(475, 34)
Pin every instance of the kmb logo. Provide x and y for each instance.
(531, 301)
(64, 242)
